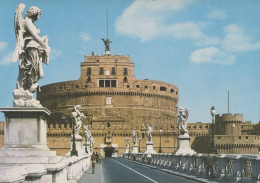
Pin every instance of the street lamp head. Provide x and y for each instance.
(212, 111)
(160, 130)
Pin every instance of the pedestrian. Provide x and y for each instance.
(97, 157)
(94, 160)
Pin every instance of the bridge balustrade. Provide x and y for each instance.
(244, 168)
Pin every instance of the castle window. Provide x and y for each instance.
(137, 86)
(108, 125)
(239, 137)
(128, 86)
(107, 83)
(125, 71)
(218, 137)
(125, 79)
(88, 71)
(77, 86)
(246, 137)
(163, 88)
(86, 86)
(113, 83)
(101, 83)
(146, 87)
(113, 71)
(143, 136)
(172, 90)
(89, 79)
(101, 71)
(154, 87)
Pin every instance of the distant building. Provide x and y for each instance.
(115, 103)
(235, 137)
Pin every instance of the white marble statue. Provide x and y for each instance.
(91, 144)
(134, 137)
(77, 117)
(31, 50)
(127, 142)
(148, 132)
(87, 133)
(182, 118)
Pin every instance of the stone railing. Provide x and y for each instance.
(234, 168)
(69, 170)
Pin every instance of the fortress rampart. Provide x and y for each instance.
(228, 124)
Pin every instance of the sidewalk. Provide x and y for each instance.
(93, 178)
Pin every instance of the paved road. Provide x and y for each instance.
(116, 170)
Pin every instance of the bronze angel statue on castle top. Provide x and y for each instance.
(31, 49)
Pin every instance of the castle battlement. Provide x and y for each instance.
(226, 118)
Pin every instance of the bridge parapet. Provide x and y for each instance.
(244, 168)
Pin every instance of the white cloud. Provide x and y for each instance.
(212, 55)
(2, 45)
(7, 59)
(55, 53)
(190, 30)
(217, 14)
(144, 18)
(85, 36)
(236, 40)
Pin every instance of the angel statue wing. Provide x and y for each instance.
(19, 30)
(186, 113)
(152, 127)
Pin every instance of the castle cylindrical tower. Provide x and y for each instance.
(228, 124)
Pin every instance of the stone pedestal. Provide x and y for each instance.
(127, 149)
(149, 148)
(135, 149)
(79, 145)
(184, 145)
(25, 137)
(107, 52)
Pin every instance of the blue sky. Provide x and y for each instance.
(204, 47)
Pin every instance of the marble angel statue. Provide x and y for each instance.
(182, 118)
(127, 142)
(87, 133)
(134, 137)
(31, 49)
(91, 147)
(148, 132)
(77, 117)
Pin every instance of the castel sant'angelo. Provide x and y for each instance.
(115, 103)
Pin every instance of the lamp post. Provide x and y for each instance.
(74, 151)
(160, 148)
(213, 147)
(139, 145)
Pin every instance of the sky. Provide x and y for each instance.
(204, 47)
